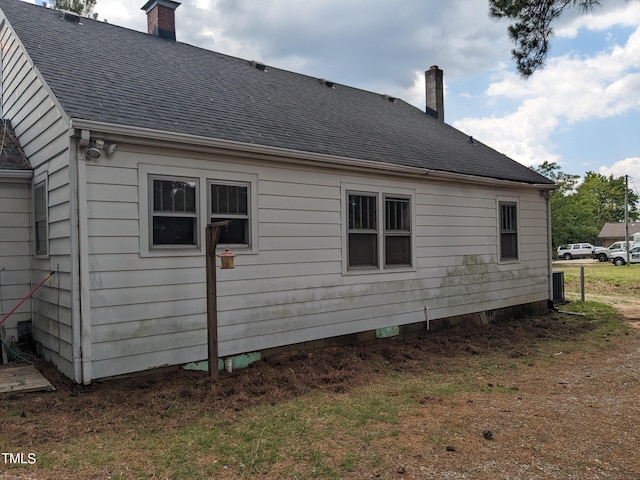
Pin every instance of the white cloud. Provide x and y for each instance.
(628, 166)
(569, 90)
(601, 18)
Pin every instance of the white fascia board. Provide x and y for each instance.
(145, 136)
(16, 176)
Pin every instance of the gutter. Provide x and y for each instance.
(16, 176)
(147, 136)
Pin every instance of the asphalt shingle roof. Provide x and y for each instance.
(12, 156)
(617, 230)
(104, 73)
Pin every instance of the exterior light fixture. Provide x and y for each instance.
(98, 147)
(110, 149)
(93, 153)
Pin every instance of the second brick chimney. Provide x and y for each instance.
(434, 85)
(161, 18)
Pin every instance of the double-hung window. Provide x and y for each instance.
(230, 201)
(174, 211)
(508, 213)
(379, 231)
(363, 230)
(41, 234)
(397, 232)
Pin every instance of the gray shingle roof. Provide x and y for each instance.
(12, 156)
(617, 230)
(101, 72)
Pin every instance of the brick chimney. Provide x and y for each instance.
(161, 18)
(435, 92)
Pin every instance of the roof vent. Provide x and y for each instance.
(326, 83)
(258, 66)
(389, 98)
(69, 16)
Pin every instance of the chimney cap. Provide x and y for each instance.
(165, 3)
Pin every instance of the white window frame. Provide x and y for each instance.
(174, 214)
(381, 193)
(204, 176)
(216, 217)
(41, 217)
(515, 202)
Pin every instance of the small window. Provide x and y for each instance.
(508, 231)
(397, 233)
(41, 234)
(363, 231)
(230, 201)
(174, 212)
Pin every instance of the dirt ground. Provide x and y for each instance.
(577, 416)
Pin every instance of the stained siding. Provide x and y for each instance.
(15, 268)
(43, 132)
(149, 310)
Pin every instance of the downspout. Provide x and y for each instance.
(83, 263)
(547, 196)
(75, 261)
(80, 282)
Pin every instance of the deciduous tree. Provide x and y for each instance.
(578, 212)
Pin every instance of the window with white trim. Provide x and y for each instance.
(41, 230)
(379, 230)
(173, 212)
(363, 230)
(230, 201)
(508, 231)
(397, 232)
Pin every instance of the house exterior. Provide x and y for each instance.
(615, 232)
(15, 222)
(350, 211)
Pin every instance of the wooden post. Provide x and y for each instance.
(213, 234)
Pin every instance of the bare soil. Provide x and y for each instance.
(573, 414)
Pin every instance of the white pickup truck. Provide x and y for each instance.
(620, 258)
(604, 253)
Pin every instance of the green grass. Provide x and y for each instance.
(324, 435)
(602, 278)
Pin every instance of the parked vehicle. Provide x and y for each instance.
(620, 258)
(604, 253)
(575, 250)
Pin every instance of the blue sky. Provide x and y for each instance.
(581, 111)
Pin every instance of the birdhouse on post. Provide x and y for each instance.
(227, 259)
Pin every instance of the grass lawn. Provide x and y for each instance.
(557, 393)
(603, 281)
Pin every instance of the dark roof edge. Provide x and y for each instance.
(146, 136)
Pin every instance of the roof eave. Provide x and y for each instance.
(16, 176)
(145, 136)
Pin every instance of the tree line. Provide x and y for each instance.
(579, 210)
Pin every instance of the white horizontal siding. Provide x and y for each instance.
(149, 310)
(43, 131)
(15, 250)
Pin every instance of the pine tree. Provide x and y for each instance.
(531, 27)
